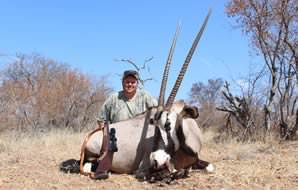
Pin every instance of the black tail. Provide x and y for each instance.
(70, 166)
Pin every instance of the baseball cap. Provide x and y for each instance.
(132, 73)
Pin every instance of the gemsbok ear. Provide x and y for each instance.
(190, 112)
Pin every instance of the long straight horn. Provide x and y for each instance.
(167, 67)
(186, 63)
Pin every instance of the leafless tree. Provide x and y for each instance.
(244, 109)
(140, 68)
(238, 108)
(273, 29)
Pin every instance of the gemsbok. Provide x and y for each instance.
(166, 136)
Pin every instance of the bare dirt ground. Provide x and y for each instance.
(33, 162)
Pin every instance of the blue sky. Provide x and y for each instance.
(90, 35)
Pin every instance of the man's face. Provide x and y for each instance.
(130, 85)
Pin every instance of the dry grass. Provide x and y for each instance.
(31, 162)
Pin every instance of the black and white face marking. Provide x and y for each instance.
(165, 121)
(167, 128)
